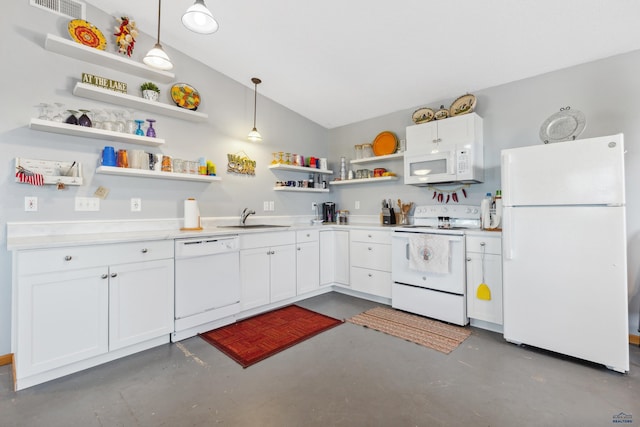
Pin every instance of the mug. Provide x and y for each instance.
(108, 156)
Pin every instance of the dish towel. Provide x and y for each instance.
(429, 253)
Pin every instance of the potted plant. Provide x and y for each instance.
(150, 91)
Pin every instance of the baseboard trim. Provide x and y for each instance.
(6, 359)
(634, 339)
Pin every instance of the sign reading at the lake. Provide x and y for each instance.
(104, 82)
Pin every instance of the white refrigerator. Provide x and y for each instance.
(565, 249)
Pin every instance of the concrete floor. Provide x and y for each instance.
(347, 376)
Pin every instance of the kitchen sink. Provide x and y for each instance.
(252, 226)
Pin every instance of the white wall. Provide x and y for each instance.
(31, 74)
(606, 91)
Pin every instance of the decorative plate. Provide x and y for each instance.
(422, 115)
(463, 105)
(565, 125)
(385, 143)
(87, 34)
(185, 96)
(442, 113)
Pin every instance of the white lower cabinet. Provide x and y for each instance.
(81, 306)
(267, 268)
(484, 267)
(334, 257)
(307, 261)
(370, 255)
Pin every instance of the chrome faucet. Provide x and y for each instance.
(245, 214)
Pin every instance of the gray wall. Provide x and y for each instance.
(31, 74)
(606, 91)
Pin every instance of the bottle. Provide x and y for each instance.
(343, 168)
(310, 181)
(485, 211)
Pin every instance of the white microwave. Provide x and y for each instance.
(445, 166)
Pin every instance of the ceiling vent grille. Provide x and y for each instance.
(70, 8)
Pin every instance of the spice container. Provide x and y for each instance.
(358, 149)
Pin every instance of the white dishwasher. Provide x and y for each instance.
(207, 283)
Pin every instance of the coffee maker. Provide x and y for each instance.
(329, 212)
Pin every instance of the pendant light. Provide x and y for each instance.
(199, 19)
(157, 57)
(254, 135)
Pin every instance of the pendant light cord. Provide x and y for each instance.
(159, 8)
(255, 101)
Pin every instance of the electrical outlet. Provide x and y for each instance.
(357, 204)
(30, 204)
(271, 206)
(314, 205)
(136, 204)
(265, 206)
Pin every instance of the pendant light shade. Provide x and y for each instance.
(199, 19)
(157, 57)
(254, 135)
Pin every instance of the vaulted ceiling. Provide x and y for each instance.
(337, 62)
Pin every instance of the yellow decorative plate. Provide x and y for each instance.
(463, 105)
(422, 115)
(185, 96)
(385, 143)
(87, 34)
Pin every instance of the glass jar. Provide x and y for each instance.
(358, 149)
(367, 151)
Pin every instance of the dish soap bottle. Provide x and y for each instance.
(485, 211)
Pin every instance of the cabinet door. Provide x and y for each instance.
(327, 257)
(283, 272)
(62, 318)
(341, 257)
(422, 138)
(254, 277)
(307, 267)
(491, 310)
(140, 302)
(457, 130)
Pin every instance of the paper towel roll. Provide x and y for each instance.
(485, 213)
(191, 214)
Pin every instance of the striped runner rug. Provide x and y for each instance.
(420, 330)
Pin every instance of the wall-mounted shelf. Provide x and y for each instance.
(378, 158)
(53, 172)
(302, 189)
(304, 169)
(364, 180)
(99, 57)
(85, 90)
(75, 130)
(113, 170)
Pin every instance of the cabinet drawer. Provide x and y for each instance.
(77, 257)
(492, 244)
(307, 236)
(371, 255)
(371, 281)
(375, 236)
(259, 240)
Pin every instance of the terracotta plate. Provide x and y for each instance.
(87, 34)
(385, 143)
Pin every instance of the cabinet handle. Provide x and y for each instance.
(68, 258)
(273, 252)
(370, 275)
(144, 250)
(104, 276)
(308, 235)
(299, 248)
(482, 243)
(469, 259)
(369, 236)
(114, 274)
(370, 248)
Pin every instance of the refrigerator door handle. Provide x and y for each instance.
(507, 234)
(506, 175)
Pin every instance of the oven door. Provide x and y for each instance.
(453, 282)
(424, 169)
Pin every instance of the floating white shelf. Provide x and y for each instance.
(99, 57)
(75, 130)
(105, 95)
(304, 169)
(364, 180)
(378, 158)
(302, 189)
(112, 170)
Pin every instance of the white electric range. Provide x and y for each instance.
(428, 265)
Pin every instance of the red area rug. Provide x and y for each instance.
(256, 338)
